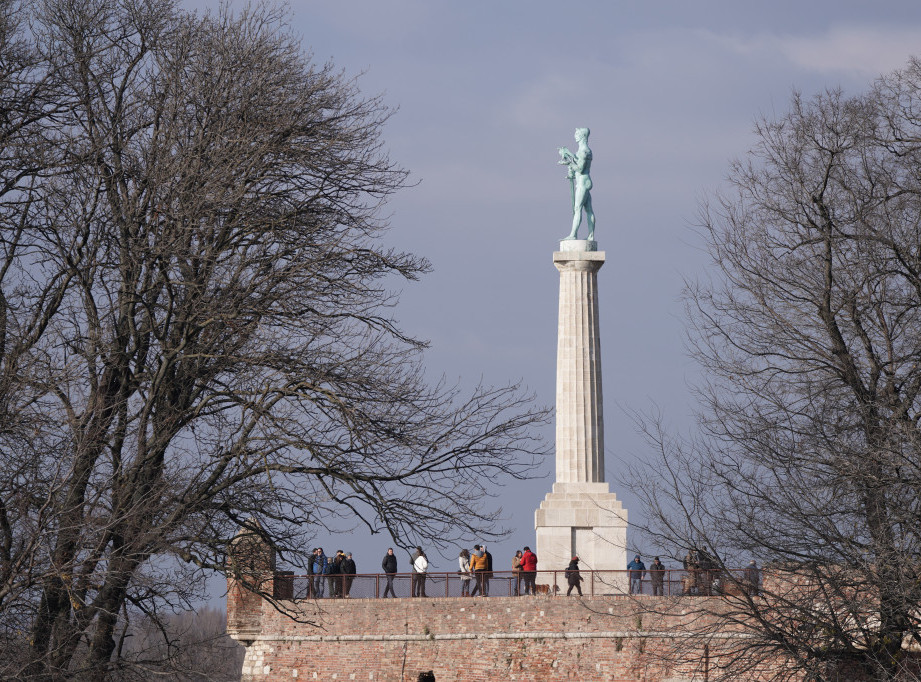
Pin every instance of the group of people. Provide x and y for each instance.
(337, 572)
(475, 569)
(420, 566)
(636, 571)
(474, 566)
(701, 575)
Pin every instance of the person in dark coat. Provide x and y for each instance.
(752, 578)
(573, 577)
(331, 576)
(336, 572)
(348, 572)
(692, 570)
(310, 589)
(389, 564)
(657, 577)
(488, 574)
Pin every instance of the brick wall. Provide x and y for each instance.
(604, 638)
(500, 638)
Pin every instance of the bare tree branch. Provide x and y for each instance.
(196, 324)
(808, 452)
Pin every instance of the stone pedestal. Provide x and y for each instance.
(580, 516)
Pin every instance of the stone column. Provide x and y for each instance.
(580, 516)
(579, 414)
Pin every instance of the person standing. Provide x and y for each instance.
(488, 574)
(752, 578)
(420, 566)
(708, 572)
(516, 572)
(348, 574)
(331, 576)
(657, 577)
(529, 570)
(573, 577)
(478, 566)
(637, 569)
(319, 570)
(691, 567)
(389, 564)
(337, 573)
(310, 590)
(463, 565)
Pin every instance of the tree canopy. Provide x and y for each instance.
(196, 324)
(808, 451)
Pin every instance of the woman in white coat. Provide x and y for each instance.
(420, 566)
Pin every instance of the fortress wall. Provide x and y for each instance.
(499, 638)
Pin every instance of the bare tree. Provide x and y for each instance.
(197, 325)
(190, 646)
(808, 453)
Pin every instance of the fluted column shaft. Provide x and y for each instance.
(579, 414)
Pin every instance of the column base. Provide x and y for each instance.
(585, 519)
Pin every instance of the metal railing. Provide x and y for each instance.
(510, 584)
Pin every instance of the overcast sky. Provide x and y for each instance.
(486, 93)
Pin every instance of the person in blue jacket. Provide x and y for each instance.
(637, 570)
(319, 570)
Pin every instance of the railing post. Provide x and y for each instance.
(447, 584)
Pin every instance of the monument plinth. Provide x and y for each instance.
(580, 516)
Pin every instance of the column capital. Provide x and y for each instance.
(580, 261)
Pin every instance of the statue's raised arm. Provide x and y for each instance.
(580, 183)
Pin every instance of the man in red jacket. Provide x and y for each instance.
(529, 570)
